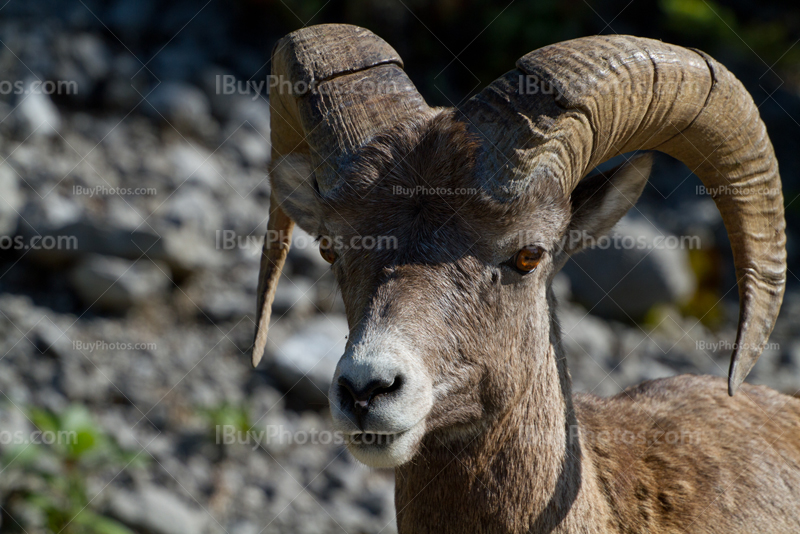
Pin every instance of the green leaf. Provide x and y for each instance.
(98, 524)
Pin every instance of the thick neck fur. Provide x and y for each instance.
(522, 473)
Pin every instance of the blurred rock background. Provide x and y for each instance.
(133, 197)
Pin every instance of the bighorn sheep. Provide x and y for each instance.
(454, 373)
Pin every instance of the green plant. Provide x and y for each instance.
(48, 475)
(227, 414)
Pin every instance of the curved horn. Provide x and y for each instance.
(568, 107)
(332, 88)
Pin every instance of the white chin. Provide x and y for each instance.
(383, 450)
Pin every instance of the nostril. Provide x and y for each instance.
(391, 388)
(361, 397)
(346, 389)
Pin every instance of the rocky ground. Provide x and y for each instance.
(135, 335)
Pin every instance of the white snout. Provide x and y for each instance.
(380, 396)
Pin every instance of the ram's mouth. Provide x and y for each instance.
(385, 449)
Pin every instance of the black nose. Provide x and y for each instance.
(362, 397)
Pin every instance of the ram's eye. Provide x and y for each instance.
(528, 258)
(327, 253)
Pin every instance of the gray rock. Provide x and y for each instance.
(182, 105)
(632, 273)
(251, 114)
(653, 369)
(226, 305)
(584, 335)
(305, 362)
(216, 83)
(13, 422)
(156, 510)
(91, 55)
(121, 213)
(83, 62)
(699, 215)
(115, 284)
(86, 236)
(194, 165)
(11, 200)
(186, 251)
(248, 211)
(122, 242)
(253, 148)
(294, 295)
(52, 211)
(590, 346)
(790, 357)
(80, 379)
(35, 114)
(245, 527)
(194, 207)
(561, 287)
(51, 339)
(124, 434)
(184, 248)
(376, 502)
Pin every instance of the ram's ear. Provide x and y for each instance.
(295, 189)
(600, 201)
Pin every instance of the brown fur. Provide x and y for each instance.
(501, 451)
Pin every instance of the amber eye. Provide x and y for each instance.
(528, 258)
(327, 253)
